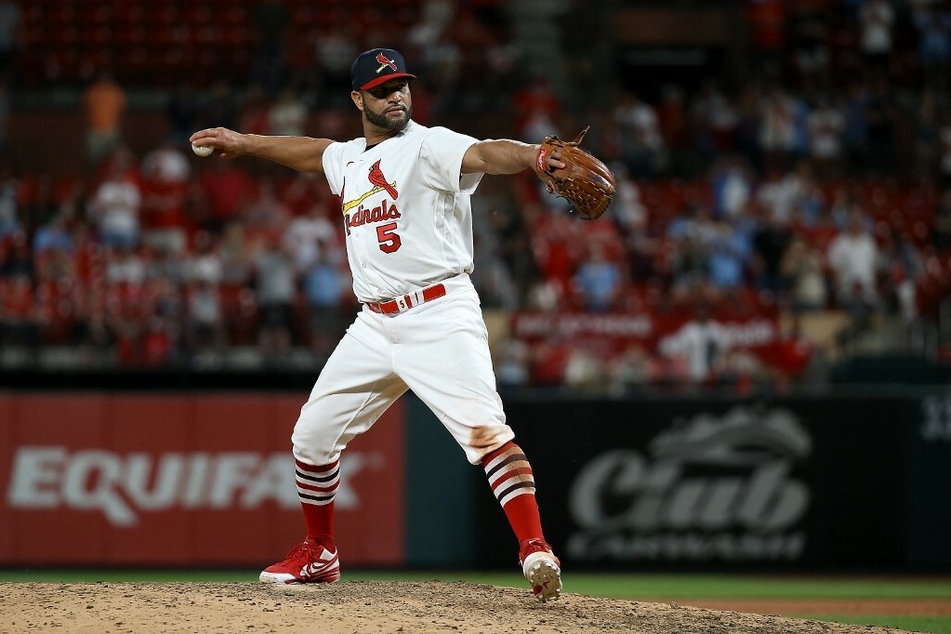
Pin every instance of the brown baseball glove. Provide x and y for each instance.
(585, 181)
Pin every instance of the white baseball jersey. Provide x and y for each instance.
(406, 209)
(408, 221)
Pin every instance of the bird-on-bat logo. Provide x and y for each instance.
(377, 178)
(384, 61)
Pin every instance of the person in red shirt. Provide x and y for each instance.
(227, 189)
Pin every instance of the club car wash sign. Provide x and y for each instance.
(709, 487)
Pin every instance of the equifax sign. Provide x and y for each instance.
(123, 487)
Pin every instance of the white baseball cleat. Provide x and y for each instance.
(541, 568)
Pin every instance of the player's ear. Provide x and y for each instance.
(357, 97)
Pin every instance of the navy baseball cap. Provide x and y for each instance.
(376, 66)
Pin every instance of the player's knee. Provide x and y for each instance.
(311, 448)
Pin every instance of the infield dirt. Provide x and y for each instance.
(370, 607)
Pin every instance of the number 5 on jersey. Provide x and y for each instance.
(388, 238)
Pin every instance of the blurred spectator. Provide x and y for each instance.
(5, 107)
(728, 250)
(747, 129)
(802, 267)
(324, 284)
(696, 346)
(11, 36)
(732, 183)
(334, 51)
(306, 237)
(183, 111)
(512, 362)
(438, 55)
(54, 234)
(598, 281)
(941, 223)
(288, 114)
(204, 262)
(255, 110)
(38, 202)
(218, 107)
(275, 287)
(882, 122)
(633, 366)
(781, 138)
(932, 20)
(18, 318)
(556, 248)
(900, 267)
(767, 19)
(10, 191)
(162, 263)
(304, 192)
(715, 120)
(583, 368)
(227, 190)
(628, 209)
(852, 258)
(673, 122)
(234, 253)
(770, 242)
(493, 278)
(927, 143)
(125, 266)
(509, 243)
(270, 20)
(642, 145)
(537, 110)
(265, 214)
(165, 179)
(105, 103)
(204, 320)
(16, 257)
(809, 27)
(856, 109)
(876, 20)
(944, 134)
(159, 343)
(826, 124)
(116, 205)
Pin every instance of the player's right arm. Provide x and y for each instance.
(304, 154)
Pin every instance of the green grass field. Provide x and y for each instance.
(644, 587)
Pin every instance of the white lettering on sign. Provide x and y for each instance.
(715, 487)
(123, 486)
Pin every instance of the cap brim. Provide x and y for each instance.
(373, 83)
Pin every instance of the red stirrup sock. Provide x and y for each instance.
(512, 482)
(316, 488)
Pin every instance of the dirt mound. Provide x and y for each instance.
(371, 607)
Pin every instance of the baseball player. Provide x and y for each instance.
(404, 191)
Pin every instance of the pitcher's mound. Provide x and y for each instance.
(363, 607)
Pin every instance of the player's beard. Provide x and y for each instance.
(380, 119)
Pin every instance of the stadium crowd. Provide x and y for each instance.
(820, 181)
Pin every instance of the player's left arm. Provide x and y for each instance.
(503, 156)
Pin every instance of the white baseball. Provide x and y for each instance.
(202, 150)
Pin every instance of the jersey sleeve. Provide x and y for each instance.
(333, 167)
(441, 153)
(334, 160)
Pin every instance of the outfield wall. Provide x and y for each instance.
(205, 478)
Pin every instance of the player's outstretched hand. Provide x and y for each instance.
(226, 143)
